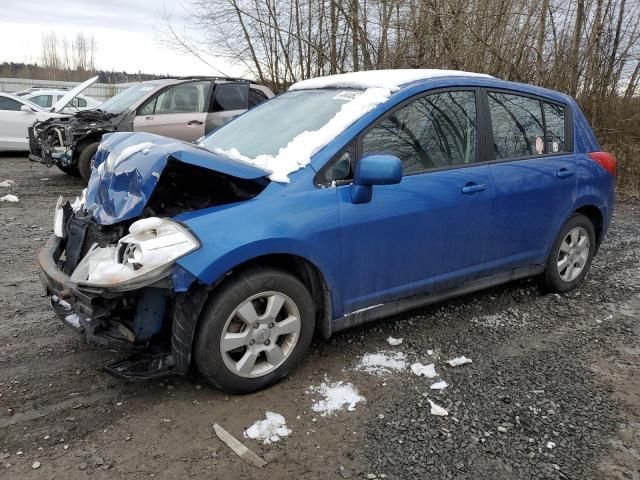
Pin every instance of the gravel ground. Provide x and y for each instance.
(553, 390)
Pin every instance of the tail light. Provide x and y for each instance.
(606, 160)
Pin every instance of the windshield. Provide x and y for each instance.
(120, 102)
(270, 126)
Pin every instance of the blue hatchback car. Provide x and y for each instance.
(349, 198)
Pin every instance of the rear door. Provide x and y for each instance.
(534, 174)
(179, 111)
(14, 124)
(230, 99)
(430, 230)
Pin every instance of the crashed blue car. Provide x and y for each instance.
(349, 198)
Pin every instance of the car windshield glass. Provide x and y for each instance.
(270, 126)
(120, 102)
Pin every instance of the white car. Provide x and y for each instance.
(47, 98)
(18, 114)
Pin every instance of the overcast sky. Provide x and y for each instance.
(126, 32)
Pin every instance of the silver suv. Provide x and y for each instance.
(183, 108)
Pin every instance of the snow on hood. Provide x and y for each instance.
(391, 80)
(129, 165)
(73, 93)
(297, 154)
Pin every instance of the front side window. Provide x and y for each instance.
(517, 125)
(435, 131)
(9, 104)
(231, 96)
(42, 100)
(123, 100)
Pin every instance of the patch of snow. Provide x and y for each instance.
(62, 303)
(79, 202)
(438, 410)
(382, 363)
(429, 352)
(9, 198)
(456, 362)
(550, 445)
(389, 79)
(394, 341)
(73, 320)
(298, 152)
(7, 183)
(112, 162)
(335, 397)
(428, 371)
(270, 430)
(441, 385)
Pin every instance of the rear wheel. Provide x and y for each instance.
(73, 171)
(254, 330)
(85, 160)
(571, 255)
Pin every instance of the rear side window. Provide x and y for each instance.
(435, 131)
(256, 97)
(554, 121)
(231, 96)
(517, 125)
(9, 104)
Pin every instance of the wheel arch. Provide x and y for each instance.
(190, 305)
(594, 214)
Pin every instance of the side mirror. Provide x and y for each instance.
(374, 170)
(26, 108)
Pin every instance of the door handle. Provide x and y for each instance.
(474, 188)
(564, 173)
(194, 122)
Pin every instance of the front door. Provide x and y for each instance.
(177, 112)
(428, 232)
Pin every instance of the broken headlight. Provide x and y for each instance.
(145, 255)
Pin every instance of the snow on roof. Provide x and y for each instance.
(389, 79)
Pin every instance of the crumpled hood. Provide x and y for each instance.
(128, 166)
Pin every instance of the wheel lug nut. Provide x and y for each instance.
(267, 342)
(271, 325)
(251, 342)
(256, 325)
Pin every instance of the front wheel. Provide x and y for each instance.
(254, 330)
(73, 171)
(571, 255)
(85, 160)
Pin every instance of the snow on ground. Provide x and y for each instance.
(269, 430)
(394, 341)
(9, 198)
(382, 363)
(438, 410)
(336, 396)
(7, 183)
(389, 79)
(428, 371)
(297, 154)
(456, 362)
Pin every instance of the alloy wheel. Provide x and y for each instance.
(260, 334)
(573, 254)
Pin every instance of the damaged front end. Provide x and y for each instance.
(110, 268)
(56, 140)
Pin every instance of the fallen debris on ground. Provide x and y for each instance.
(238, 447)
(269, 430)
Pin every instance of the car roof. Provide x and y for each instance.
(404, 79)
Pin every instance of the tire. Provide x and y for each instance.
(569, 261)
(73, 171)
(228, 320)
(85, 160)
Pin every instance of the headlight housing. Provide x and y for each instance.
(142, 257)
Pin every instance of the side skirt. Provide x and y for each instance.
(398, 306)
